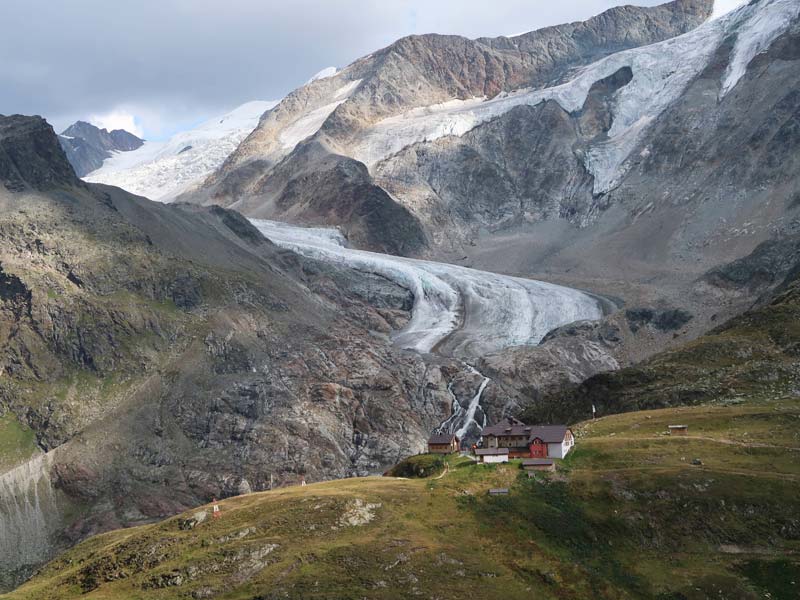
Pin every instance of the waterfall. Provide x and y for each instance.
(467, 422)
(29, 517)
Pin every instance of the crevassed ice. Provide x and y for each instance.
(756, 28)
(460, 311)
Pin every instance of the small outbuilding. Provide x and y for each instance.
(679, 430)
(492, 455)
(443, 443)
(538, 464)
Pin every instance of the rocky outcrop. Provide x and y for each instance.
(754, 355)
(30, 157)
(525, 379)
(304, 183)
(766, 265)
(88, 146)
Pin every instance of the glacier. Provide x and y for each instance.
(458, 311)
(163, 170)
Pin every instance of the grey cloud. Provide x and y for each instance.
(177, 61)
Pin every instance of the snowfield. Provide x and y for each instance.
(163, 170)
(458, 311)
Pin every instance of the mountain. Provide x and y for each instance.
(618, 168)
(616, 164)
(87, 146)
(330, 138)
(155, 355)
(162, 170)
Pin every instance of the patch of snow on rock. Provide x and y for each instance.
(309, 123)
(323, 74)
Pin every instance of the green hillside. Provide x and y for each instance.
(628, 515)
(755, 355)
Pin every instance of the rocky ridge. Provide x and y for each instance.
(87, 147)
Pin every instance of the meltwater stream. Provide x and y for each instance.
(459, 312)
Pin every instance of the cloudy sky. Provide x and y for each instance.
(157, 66)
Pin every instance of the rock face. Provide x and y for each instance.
(165, 354)
(30, 517)
(88, 146)
(344, 115)
(30, 157)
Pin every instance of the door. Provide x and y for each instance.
(538, 449)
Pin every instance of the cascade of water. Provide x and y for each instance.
(467, 422)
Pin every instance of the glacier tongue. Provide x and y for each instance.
(457, 311)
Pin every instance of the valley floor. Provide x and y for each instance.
(632, 513)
